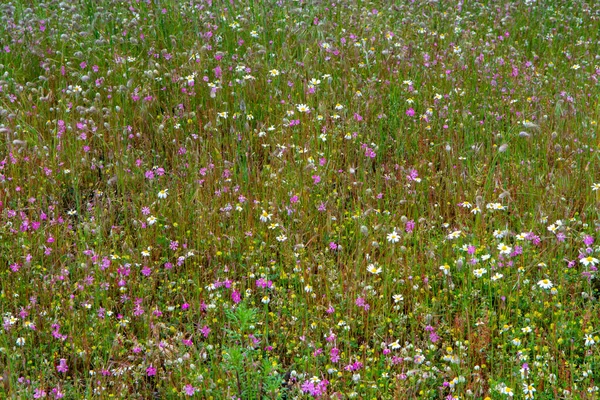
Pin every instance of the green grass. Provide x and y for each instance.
(174, 223)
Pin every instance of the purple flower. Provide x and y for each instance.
(236, 296)
(205, 331)
(189, 390)
(62, 365)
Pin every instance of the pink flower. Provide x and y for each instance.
(189, 390)
(62, 366)
(151, 371)
(410, 112)
(236, 296)
(316, 179)
(205, 331)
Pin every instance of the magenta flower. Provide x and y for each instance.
(62, 365)
(151, 371)
(189, 390)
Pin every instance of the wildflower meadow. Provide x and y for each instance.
(297, 199)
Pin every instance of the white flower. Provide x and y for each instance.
(545, 284)
(163, 194)
(504, 249)
(394, 345)
(308, 288)
(373, 269)
(266, 300)
(281, 238)
(479, 272)
(589, 340)
(476, 210)
(595, 186)
(393, 237)
(589, 260)
(497, 276)
(508, 391)
(495, 206)
(151, 220)
(528, 390)
(445, 269)
(274, 72)
(498, 234)
(453, 235)
(303, 108)
(398, 298)
(265, 216)
(527, 329)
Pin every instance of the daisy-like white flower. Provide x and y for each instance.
(266, 300)
(545, 284)
(303, 108)
(398, 298)
(453, 235)
(589, 340)
(476, 210)
(527, 329)
(265, 216)
(508, 391)
(498, 234)
(163, 194)
(521, 236)
(516, 342)
(589, 260)
(394, 345)
(274, 72)
(528, 390)
(595, 186)
(281, 238)
(393, 237)
(495, 206)
(151, 220)
(445, 269)
(479, 272)
(373, 269)
(497, 276)
(504, 249)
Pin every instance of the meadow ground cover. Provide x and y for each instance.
(299, 199)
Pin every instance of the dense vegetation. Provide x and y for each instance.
(252, 199)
